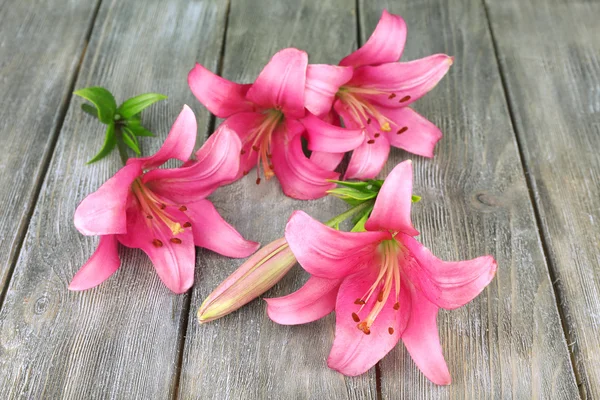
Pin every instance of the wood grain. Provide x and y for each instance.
(245, 355)
(40, 49)
(120, 340)
(508, 342)
(549, 54)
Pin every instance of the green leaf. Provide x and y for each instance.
(347, 193)
(90, 110)
(110, 140)
(103, 100)
(136, 127)
(136, 104)
(415, 198)
(131, 141)
(360, 223)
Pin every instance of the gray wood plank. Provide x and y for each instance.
(507, 343)
(120, 340)
(40, 49)
(244, 355)
(549, 55)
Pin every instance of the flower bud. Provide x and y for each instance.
(254, 277)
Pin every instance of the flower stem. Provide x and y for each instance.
(335, 221)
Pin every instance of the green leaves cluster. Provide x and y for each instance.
(123, 123)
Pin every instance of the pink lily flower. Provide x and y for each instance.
(370, 91)
(382, 283)
(270, 118)
(164, 212)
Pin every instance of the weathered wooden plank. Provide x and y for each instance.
(245, 355)
(508, 343)
(120, 340)
(549, 55)
(40, 49)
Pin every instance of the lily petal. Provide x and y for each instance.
(222, 97)
(385, 44)
(448, 284)
(413, 132)
(328, 161)
(173, 256)
(408, 81)
(217, 164)
(244, 124)
(326, 252)
(212, 232)
(311, 302)
(299, 177)
(326, 137)
(281, 83)
(322, 83)
(179, 143)
(101, 265)
(392, 206)
(354, 352)
(103, 212)
(422, 340)
(368, 159)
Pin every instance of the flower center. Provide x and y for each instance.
(259, 140)
(156, 211)
(388, 277)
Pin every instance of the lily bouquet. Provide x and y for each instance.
(295, 122)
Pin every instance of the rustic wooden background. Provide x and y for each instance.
(517, 175)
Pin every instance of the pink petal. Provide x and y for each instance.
(354, 352)
(448, 284)
(174, 262)
(281, 83)
(222, 97)
(298, 176)
(326, 252)
(423, 342)
(179, 143)
(101, 265)
(244, 124)
(312, 301)
(407, 82)
(103, 212)
(385, 44)
(326, 137)
(394, 200)
(212, 232)
(368, 159)
(412, 132)
(217, 164)
(328, 161)
(322, 83)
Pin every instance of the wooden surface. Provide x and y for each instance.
(516, 175)
(550, 59)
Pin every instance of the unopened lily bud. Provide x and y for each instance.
(254, 277)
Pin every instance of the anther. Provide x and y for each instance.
(183, 208)
(149, 216)
(405, 98)
(269, 155)
(402, 130)
(363, 327)
(245, 173)
(255, 148)
(391, 330)
(360, 302)
(157, 243)
(242, 152)
(370, 141)
(258, 181)
(397, 306)
(377, 135)
(175, 240)
(271, 166)
(162, 206)
(380, 297)
(187, 225)
(368, 120)
(391, 96)
(355, 317)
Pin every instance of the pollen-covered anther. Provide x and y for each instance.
(162, 206)
(391, 330)
(397, 306)
(258, 181)
(187, 225)
(402, 130)
(368, 120)
(360, 302)
(404, 99)
(364, 327)
(255, 148)
(242, 151)
(149, 216)
(370, 141)
(355, 317)
(183, 208)
(157, 243)
(175, 240)
(380, 297)
(391, 96)
(245, 173)
(377, 135)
